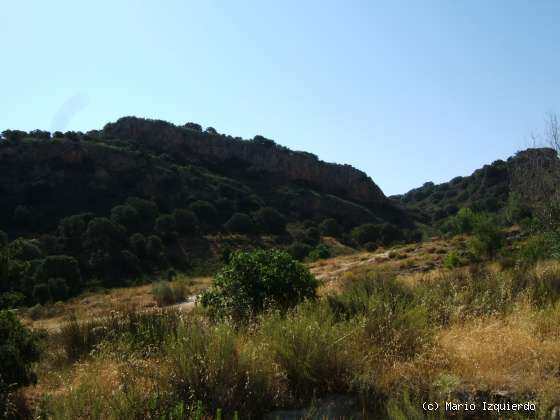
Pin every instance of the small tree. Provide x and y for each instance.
(253, 281)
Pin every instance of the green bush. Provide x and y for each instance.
(253, 281)
(61, 267)
(452, 260)
(18, 350)
(463, 221)
(487, 238)
(299, 250)
(320, 252)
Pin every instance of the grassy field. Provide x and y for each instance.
(392, 328)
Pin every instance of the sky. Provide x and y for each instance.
(407, 91)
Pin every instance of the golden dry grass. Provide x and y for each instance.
(100, 304)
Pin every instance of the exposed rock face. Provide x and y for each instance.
(254, 157)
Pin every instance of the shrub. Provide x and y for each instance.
(299, 250)
(10, 300)
(270, 220)
(186, 221)
(18, 349)
(252, 281)
(487, 239)
(366, 233)
(452, 260)
(240, 223)
(320, 252)
(209, 366)
(463, 221)
(329, 227)
(537, 247)
(163, 294)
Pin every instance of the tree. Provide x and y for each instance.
(252, 281)
(165, 226)
(127, 216)
(204, 211)
(58, 289)
(240, 223)
(154, 248)
(40, 134)
(186, 221)
(270, 220)
(193, 126)
(138, 244)
(211, 130)
(104, 234)
(61, 267)
(367, 233)
(14, 135)
(147, 210)
(487, 239)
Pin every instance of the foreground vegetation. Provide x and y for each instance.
(485, 331)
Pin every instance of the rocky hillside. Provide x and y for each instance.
(43, 179)
(531, 174)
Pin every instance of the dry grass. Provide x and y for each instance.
(100, 304)
(504, 354)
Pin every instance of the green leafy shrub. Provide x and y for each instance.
(252, 281)
(452, 260)
(58, 288)
(463, 222)
(487, 238)
(18, 350)
(320, 252)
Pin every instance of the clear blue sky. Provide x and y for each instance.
(407, 91)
